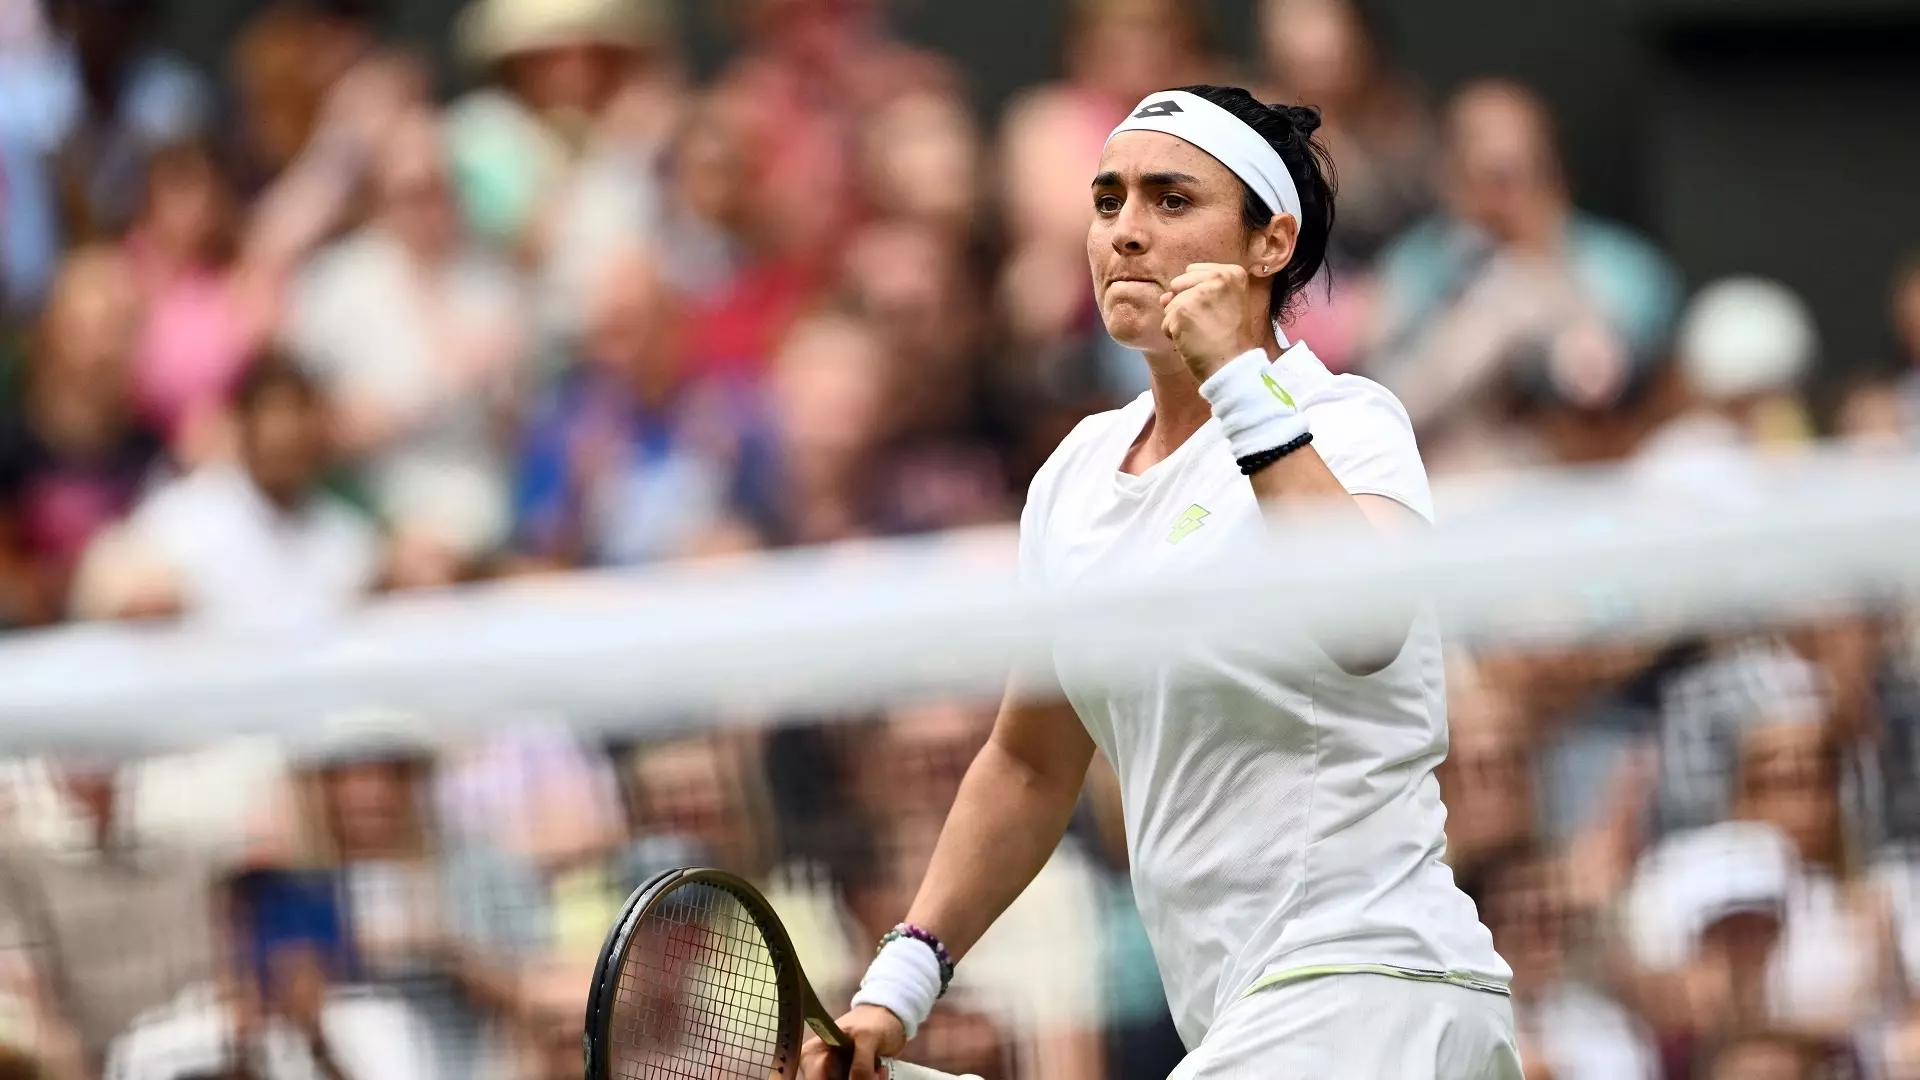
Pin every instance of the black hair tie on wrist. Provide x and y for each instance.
(1253, 463)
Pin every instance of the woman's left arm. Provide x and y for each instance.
(1218, 320)
(1302, 480)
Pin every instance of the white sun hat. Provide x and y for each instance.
(493, 30)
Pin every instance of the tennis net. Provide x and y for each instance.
(417, 823)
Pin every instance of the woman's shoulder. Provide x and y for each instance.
(1093, 432)
(1082, 449)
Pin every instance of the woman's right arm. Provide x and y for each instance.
(1009, 815)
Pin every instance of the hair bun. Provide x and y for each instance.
(1303, 119)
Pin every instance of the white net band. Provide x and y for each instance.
(1538, 559)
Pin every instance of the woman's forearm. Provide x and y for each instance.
(1008, 817)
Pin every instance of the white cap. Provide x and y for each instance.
(370, 735)
(1746, 335)
(1696, 878)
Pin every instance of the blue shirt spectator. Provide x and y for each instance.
(92, 104)
(29, 225)
(628, 457)
(1513, 296)
(607, 477)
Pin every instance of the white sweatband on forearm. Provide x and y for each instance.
(1256, 413)
(903, 979)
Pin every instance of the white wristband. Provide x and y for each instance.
(903, 979)
(1255, 412)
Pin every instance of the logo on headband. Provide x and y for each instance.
(1157, 109)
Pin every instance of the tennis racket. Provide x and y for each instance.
(698, 979)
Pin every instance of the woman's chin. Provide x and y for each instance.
(1136, 332)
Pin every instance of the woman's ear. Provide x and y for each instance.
(1272, 246)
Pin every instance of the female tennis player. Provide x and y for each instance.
(1282, 816)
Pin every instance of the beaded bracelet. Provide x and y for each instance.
(1253, 463)
(927, 938)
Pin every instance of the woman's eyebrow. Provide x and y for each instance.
(1111, 178)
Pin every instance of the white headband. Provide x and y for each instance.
(1223, 136)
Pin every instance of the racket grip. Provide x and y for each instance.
(900, 1070)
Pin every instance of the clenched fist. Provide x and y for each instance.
(1213, 314)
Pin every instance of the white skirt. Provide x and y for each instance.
(1359, 1027)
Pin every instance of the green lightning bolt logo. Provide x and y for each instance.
(1192, 518)
(1279, 391)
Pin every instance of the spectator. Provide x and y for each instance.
(1883, 410)
(1579, 1031)
(556, 69)
(707, 201)
(1707, 702)
(1774, 1055)
(629, 459)
(1331, 54)
(29, 227)
(1745, 346)
(1117, 52)
(311, 199)
(1702, 918)
(556, 160)
(1906, 328)
(417, 338)
(1334, 55)
(1511, 292)
(1037, 1003)
(286, 61)
(1487, 778)
(538, 867)
(382, 883)
(204, 316)
(743, 294)
(913, 282)
(704, 795)
(809, 73)
(95, 103)
(302, 1025)
(1836, 961)
(253, 543)
(792, 103)
(830, 381)
(921, 158)
(108, 928)
(29, 233)
(1814, 947)
(1874, 416)
(73, 455)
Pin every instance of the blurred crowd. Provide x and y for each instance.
(282, 336)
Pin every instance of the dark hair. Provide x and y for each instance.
(270, 372)
(1289, 130)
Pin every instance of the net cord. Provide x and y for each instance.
(1542, 558)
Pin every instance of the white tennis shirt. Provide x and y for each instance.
(1282, 815)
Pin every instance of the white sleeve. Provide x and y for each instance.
(1365, 438)
(1031, 516)
(1035, 515)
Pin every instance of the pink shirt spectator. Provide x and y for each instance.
(192, 347)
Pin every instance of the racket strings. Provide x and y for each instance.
(698, 994)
